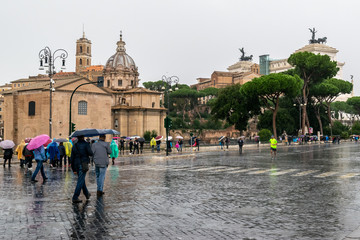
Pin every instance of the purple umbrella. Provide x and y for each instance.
(38, 141)
(7, 144)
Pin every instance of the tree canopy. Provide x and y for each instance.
(312, 69)
(269, 89)
(234, 107)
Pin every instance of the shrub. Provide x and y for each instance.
(153, 134)
(265, 135)
(344, 135)
(147, 135)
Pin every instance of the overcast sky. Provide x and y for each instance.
(187, 38)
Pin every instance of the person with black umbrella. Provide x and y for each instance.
(80, 154)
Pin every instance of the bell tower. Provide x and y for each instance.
(83, 53)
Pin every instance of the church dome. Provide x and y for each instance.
(120, 59)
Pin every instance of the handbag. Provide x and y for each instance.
(85, 166)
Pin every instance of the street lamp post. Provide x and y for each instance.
(47, 60)
(300, 107)
(167, 89)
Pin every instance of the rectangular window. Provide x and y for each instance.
(119, 82)
(32, 108)
(82, 108)
(108, 83)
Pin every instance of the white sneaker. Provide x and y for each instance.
(29, 169)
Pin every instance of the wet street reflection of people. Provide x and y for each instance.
(79, 227)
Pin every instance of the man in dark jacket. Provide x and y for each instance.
(131, 144)
(122, 146)
(80, 164)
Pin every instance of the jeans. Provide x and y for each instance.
(39, 167)
(100, 177)
(180, 147)
(80, 185)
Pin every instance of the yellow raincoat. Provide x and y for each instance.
(68, 148)
(20, 149)
(153, 142)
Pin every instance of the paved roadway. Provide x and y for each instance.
(307, 192)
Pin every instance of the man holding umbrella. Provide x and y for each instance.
(80, 164)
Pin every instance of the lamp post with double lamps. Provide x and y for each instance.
(47, 60)
(168, 90)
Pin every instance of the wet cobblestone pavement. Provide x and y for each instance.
(307, 192)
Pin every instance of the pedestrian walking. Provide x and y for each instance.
(158, 146)
(131, 144)
(122, 146)
(114, 151)
(227, 142)
(222, 143)
(40, 157)
(197, 142)
(180, 145)
(68, 148)
(62, 153)
(141, 146)
(101, 150)
(53, 153)
(153, 144)
(19, 152)
(80, 154)
(177, 146)
(8, 153)
(136, 146)
(241, 143)
(29, 156)
(273, 146)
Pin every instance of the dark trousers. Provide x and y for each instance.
(39, 167)
(123, 149)
(80, 185)
(5, 159)
(240, 148)
(61, 159)
(28, 161)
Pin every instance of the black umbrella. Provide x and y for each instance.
(141, 140)
(61, 140)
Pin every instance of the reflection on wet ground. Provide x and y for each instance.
(307, 192)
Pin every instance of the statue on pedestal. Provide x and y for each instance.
(313, 40)
(243, 57)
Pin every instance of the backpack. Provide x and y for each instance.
(27, 153)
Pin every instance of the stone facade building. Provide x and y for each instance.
(120, 104)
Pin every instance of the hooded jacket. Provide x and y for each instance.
(20, 149)
(114, 149)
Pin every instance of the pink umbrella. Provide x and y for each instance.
(27, 140)
(116, 137)
(38, 141)
(7, 144)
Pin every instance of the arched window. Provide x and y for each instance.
(80, 61)
(88, 50)
(32, 108)
(87, 61)
(80, 49)
(82, 108)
